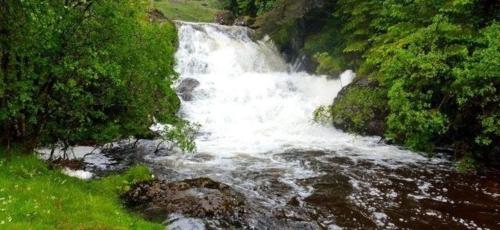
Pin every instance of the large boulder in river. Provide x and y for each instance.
(201, 197)
(186, 87)
(361, 108)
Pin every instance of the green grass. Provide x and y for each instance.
(188, 10)
(32, 196)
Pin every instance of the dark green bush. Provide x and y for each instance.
(439, 60)
(75, 71)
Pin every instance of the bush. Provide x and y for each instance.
(83, 71)
(440, 63)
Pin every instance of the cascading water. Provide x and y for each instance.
(257, 135)
(249, 101)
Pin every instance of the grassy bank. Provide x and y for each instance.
(188, 10)
(32, 196)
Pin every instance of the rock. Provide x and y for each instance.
(186, 87)
(178, 222)
(244, 21)
(224, 18)
(156, 16)
(200, 198)
(286, 24)
(74, 164)
(294, 201)
(373, 125)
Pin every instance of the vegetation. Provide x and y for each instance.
(189, 10)
(248, 7)
(32, 196)
(437, 62)
(83, 71)
(80, 72)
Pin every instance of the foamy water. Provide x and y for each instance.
(250, 101)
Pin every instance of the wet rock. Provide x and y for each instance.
(179, 222)
(371, 115)
(120, 156)
(224, 18)
(186, 87)
(200, 197)
(74, 164)
(294, 201)
(244, 21)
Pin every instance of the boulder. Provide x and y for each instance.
(224, 18)
(186, 87)
(244, 21)
(200, 197)
(372, 113)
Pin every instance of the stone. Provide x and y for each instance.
(244, 21)
(198, 198)
(186, 88)
(224, 18)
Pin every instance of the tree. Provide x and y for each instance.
(75, 71)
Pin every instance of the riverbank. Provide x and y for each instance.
(36, 196)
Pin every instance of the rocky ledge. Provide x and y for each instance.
(200, 198)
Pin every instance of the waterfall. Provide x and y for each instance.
(250, 101)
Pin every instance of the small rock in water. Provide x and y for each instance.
(186, 87)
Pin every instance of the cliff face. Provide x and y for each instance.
(290, 23)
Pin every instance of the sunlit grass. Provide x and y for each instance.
(32, 196)
(188, 10)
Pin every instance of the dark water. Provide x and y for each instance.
(338, 192)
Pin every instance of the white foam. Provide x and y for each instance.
(84, 175)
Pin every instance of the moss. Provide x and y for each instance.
(33, 196)
(358, 109)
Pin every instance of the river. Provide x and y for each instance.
(257, 135)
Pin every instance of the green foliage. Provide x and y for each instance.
(476, 86)
(249, 7)
(32, 196)
(439, 60)
(77, 71)
(356, 109)
(410, 121)
(182, 132)
(327, 64)
(467, 164)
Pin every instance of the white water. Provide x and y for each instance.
(250, 101)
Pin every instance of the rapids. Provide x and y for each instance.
(257, 135)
